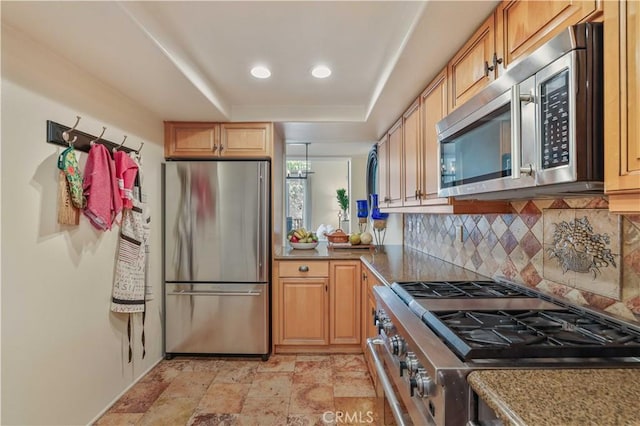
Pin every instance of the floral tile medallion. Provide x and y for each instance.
(582, 249)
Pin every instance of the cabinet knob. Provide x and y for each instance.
(303, 268)
(496, 60)
(487, 68)
(215, 148)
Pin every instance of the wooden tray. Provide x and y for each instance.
(348, 246)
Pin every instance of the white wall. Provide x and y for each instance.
(64, 354)
(329, 174)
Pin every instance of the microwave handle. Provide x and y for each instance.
(516, 132)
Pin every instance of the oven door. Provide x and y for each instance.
(487, 150)
(391, 409)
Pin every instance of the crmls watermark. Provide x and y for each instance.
(338, 417)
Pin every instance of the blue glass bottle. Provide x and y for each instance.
(376, 214)
(363, 208)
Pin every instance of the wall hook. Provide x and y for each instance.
(120, 146)
(140, 149)
(66, 133)
(104, 129)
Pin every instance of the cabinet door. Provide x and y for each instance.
(303, 311)
(395, 165)
(245, 139)
(468, 69)
(383, 171)
(433, 109)
(364, 303)
(344, 299)
(622, 94)
(522, 26)
(191, 140)
(411, 157)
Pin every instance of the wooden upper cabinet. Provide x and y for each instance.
(191, 139)
(245, 139)
(344, 302)
(622, 95)
(522, 26)
(217, 140)
(395, 165)
(411, 155)
(383, 171)
(468, 70)
(433, 109)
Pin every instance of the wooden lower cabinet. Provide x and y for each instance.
(316, 306)
(304, 307)
(344, 302)
(369, 329)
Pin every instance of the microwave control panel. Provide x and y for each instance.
(554, 105)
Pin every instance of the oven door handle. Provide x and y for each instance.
(516, 132)
(386, 384)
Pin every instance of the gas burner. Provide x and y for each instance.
(531, 334)
(455, 289)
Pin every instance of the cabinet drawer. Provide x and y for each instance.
(302, 268)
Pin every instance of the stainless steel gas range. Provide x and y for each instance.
(432, 334)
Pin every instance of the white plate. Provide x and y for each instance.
(303, 246)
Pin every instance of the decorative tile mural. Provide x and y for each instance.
(511, 245)
(582, 249)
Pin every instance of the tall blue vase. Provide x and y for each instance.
(376, 214)
(363, 208)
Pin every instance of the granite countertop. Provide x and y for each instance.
(321, 252)
(390, 263)
(560, 397)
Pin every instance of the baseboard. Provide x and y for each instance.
(113, 401)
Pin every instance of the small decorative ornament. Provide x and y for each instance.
(582, 249)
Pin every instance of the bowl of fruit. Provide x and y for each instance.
(302, 239)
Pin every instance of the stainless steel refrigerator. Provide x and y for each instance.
(216, 257)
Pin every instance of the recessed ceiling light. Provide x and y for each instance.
(260, 72)
(321, 71)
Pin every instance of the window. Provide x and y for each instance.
(310, 193)
(297, 195)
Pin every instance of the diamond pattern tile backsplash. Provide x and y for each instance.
(511, 245)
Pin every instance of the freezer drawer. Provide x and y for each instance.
(216, 318)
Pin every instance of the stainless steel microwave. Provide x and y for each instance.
(537, 130)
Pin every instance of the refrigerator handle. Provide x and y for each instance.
(263, 237)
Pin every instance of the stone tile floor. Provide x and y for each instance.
(286, 390)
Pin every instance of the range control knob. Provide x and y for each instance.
(423, 383)
(380, 319)
(412, 363)
(388, 327)
(380, 316)
(398, 345)
(403, 366)
(412, 385)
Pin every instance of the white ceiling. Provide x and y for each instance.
(190, 60)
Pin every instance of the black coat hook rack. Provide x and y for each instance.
(83, 141)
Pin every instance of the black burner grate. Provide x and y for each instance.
(456, 289)
(532, 334)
